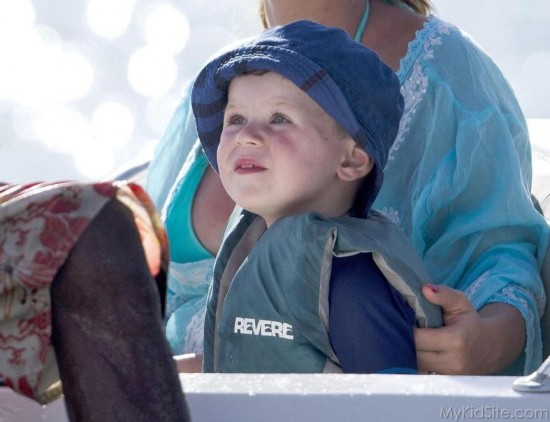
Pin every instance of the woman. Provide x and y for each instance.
(457, 182)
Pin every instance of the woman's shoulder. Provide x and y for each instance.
(443, 46)
(446, 61)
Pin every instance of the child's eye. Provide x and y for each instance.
(278, 118)
(235, 119)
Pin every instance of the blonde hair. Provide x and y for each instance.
(263, 16)
(419, 6)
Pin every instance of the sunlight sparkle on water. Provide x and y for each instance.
(109, 19)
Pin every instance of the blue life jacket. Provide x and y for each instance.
(268, 308)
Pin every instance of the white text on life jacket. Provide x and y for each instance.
(263, 327)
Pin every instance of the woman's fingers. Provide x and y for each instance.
(448, 349)
(453, 302)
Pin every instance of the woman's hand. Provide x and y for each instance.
(470, 342)
(189, 363)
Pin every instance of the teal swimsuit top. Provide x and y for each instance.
(184, 244)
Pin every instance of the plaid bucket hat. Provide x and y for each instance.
(345, 78)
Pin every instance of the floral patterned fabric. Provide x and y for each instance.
(39, 225)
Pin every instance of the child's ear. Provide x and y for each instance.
(356, 165)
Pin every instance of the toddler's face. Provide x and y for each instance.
(279, 151)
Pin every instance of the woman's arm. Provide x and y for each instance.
(476, 343)
(189, 363)
(171, 152)
(467, 207)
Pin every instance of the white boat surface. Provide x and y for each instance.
(330, 397)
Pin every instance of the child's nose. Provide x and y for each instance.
(250, 135)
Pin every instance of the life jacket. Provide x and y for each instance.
(269, 296)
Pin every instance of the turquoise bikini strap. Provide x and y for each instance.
(363, 24)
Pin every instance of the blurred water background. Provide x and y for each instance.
(87, 86)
